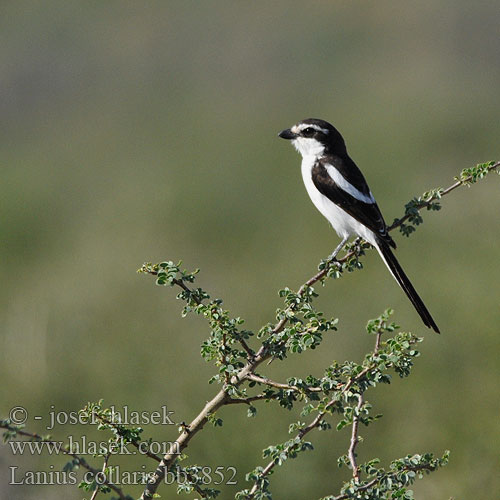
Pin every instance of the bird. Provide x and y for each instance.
(340, 192)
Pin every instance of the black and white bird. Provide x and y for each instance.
(339, 191)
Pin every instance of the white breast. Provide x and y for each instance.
(341, 221)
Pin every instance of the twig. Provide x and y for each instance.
(192, 480)
(104, 465)
(66, 451)
(253, 361)
(436, 196)
(251, 399)
(182, 285)
(366, 486)
(355, 423)
(279, 385)
(133, 443)
(378, 479)
(220, 399)
(315, 423)
(355, 440)
(378, 339)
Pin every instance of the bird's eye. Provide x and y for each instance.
(308, 132)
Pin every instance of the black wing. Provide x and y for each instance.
(367, 214)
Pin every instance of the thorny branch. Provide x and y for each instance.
(316, 423)
(104, 465)
(81, 461)
(303, 432)
(374, 481)
(278, 385)
(439, 194)
(355, 440)
(256, 359)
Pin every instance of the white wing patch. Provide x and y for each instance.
(343, 184)
(343, 223)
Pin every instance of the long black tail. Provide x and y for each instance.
(390, 261)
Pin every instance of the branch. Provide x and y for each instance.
(355, 440)
(251, 399)
(135, 443)
(465, 180)
(104, 465)
(193, 482)
(279, 385)
(315, 423)
(255, 359)
(198, 301)
(378, 479)
(66, 451)
(221, 398)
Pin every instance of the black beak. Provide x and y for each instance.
(287, 134)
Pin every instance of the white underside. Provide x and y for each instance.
(344, 224)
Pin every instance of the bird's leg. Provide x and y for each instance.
(338, 249)
(357, 244)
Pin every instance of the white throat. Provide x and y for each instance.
(308, 147)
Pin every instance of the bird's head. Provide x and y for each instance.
(314, 137)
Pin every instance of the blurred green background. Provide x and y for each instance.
(147, 131)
